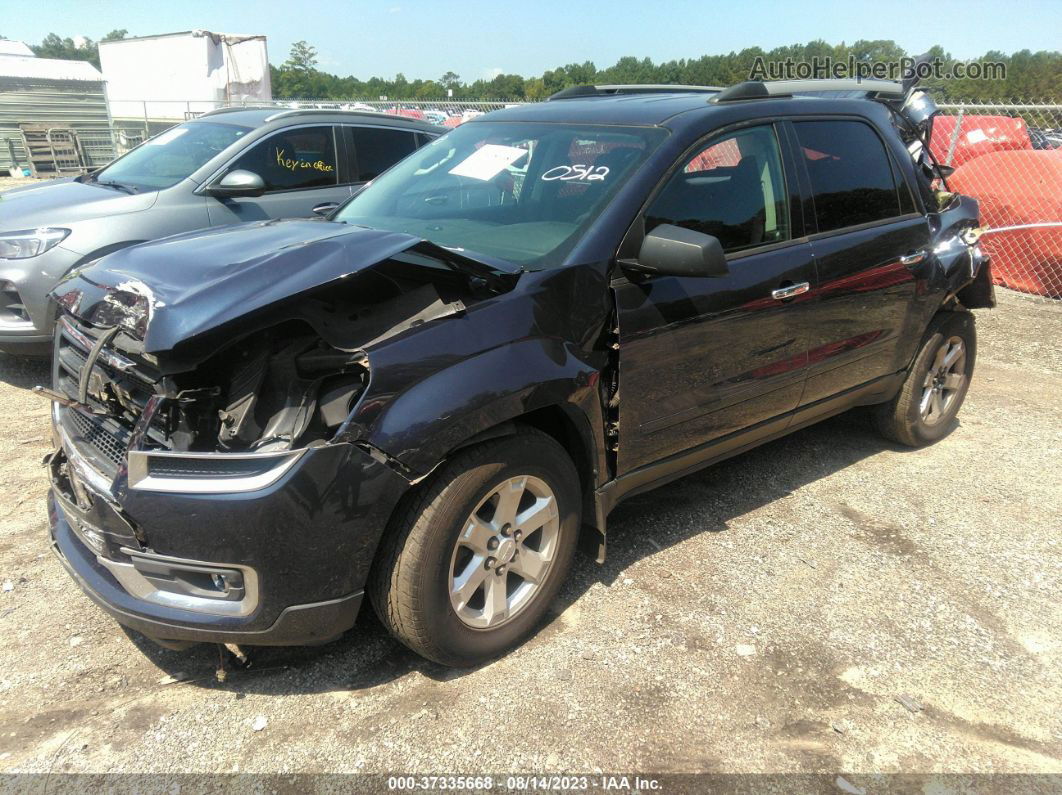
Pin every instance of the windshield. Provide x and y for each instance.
(521, 192)
(171, 156)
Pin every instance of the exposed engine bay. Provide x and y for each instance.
(274, 381)
(270, 391)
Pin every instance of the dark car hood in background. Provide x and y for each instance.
(179, 287)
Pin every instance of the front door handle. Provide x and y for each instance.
(912, 259)
(789, 291)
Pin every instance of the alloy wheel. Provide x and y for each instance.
(504, 552)
(944, 382)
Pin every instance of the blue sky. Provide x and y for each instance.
(478, 38)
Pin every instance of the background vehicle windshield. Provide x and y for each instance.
(168, 158)
(517, 191)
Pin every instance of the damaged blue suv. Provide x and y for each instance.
(435, 396)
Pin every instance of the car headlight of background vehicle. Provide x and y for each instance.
(30, 242)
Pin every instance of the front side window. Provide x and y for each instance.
(851, 174)
(376, 149)
(303, 157)
(518, 191)
(733, 189)
(171, 156)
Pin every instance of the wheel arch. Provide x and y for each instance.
(567, 426)
(573, 430)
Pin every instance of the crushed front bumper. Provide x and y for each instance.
(283, 564)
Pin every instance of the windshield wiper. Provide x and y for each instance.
(117, 186)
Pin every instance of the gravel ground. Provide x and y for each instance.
(7, 182)
(770, 613)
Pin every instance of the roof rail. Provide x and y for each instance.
(283, 114)
(333, 111)
(575, 92)
(757, 89)
(235, 109)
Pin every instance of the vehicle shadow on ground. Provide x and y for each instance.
(24, 372)
(367, 657)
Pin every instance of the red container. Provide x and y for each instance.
(1017, 188)
(978, 135)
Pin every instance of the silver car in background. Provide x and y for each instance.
(228, 166)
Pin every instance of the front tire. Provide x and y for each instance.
(925, 409)
(473, 560)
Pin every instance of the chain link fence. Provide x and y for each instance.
(1009, 157)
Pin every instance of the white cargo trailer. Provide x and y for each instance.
(175, 76)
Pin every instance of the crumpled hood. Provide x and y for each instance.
(172, 289)
(64, 201)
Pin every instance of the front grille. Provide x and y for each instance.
(207, 467)
(93, 432)
(119, 389)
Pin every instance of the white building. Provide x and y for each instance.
(46, 97)
(178, 75)
(12, 47)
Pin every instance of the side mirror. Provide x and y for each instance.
(239, 183)
(324, 210)
(675, 251)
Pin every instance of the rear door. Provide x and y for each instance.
(705, 359)
(869, 243)
(301, 167)
(373, 150)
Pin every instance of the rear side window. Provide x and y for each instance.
(376, 149)
(733, 189)
(851, 174)
(303, 157)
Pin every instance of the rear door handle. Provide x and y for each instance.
(912, 259)
(790, 291)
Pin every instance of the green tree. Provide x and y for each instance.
(301, 57)
(535, 89)
(428, 89)
(54, 46)
(298, 78)
(506, 87)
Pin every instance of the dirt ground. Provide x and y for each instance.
(7, 182)
(769, 614)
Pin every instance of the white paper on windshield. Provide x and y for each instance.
(166, 137)
(487, 161)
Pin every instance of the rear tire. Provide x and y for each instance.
(475, 556)
(936, 385)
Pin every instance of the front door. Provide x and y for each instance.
(301, 169)
(704, 359)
